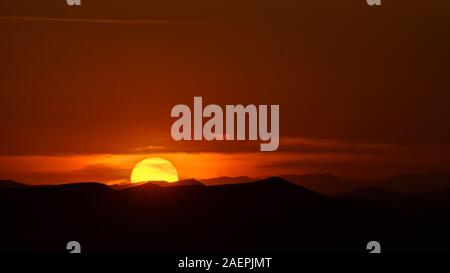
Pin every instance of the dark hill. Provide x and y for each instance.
(323, 183)
(9, 184)
(267, 216)
(372, 194)
(226, 180)
(414, 201)
(417, 183)
(408, 183)
(186, 182)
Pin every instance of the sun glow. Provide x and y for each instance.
(154, 169)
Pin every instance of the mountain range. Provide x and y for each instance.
(271, 215)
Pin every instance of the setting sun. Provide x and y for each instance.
(154, 169)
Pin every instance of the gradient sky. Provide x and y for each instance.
(86, 92)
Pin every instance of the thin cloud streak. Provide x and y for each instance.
(88, 20)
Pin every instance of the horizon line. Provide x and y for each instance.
(282, 176)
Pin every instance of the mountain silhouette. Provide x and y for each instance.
(9, 184)
(227, 180)
(414, 201)
(417, 183)
(122, 186)
(186, 182)
(324, 183)
(329, 184)
(372, 194)
(271, 215)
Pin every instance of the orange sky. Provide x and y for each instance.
(362, 92)
(354, 161)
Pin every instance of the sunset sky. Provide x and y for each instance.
(86, 92)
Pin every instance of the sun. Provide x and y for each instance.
(154, 169)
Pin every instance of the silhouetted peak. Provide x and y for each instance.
(274, 180)
(420, 182)
(122, 186)
(324, 183)
(147, 185)
(444, 175)
(370, 191)
(316, 177)
(186, 182)
(10, 184)
(81, 186)
(226, 180)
